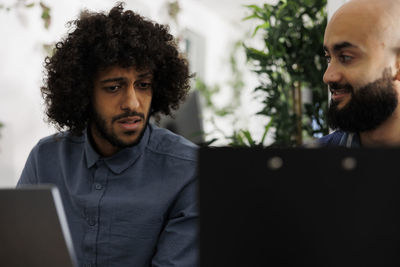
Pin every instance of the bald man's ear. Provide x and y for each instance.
(397, 75)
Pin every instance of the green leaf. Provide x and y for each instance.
(266, 130)
(255, 8)
(248, 137)
(287, 18)
(209, 142)
(265, 25)
(45, 14)
(254, 16)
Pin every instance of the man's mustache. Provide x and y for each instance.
(128, 114)
(337, 86)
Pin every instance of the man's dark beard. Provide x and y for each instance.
(107, 134)
(368, 107)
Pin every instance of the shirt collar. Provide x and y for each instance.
(122, 159)
(350, 140)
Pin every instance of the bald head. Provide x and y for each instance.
(373, 5)
(363, 36)
(377, 19)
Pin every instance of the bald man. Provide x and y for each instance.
(362, 46)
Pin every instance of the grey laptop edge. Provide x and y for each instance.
(33, 228)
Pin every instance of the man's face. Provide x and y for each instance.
(367, 108)
(121, 106)
(359, 72)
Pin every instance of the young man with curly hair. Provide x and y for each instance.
(362, 45)
(128, 187)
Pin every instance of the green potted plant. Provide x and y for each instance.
(289, 66)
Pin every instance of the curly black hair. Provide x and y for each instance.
(99, 40)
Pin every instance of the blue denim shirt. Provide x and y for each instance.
(340, 138)
(135, 208)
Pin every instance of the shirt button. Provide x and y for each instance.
(91, 222)
(98, 186)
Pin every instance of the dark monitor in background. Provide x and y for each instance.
(299, 207)
(33, 229)
(187, 120)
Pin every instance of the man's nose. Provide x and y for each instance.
(332, 74)
(130, 100)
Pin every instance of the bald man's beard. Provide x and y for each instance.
(368, 107)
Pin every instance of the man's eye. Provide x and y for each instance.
(143, 85)
(344, 58)
(113, 88)
(328, 58)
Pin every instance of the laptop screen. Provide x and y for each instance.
(299, 207)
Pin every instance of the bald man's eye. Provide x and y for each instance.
(327, 58)
(345, 59)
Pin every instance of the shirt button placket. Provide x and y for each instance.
(92, 215)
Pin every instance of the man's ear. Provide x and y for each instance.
(397, 75)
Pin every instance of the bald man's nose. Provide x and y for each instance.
(332, 75)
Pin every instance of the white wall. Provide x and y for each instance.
(333, 5)
(21, 59)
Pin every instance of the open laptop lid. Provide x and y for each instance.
(33, 228)
(299, 207)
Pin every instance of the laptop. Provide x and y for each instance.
(33, 228)
(299, 207)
